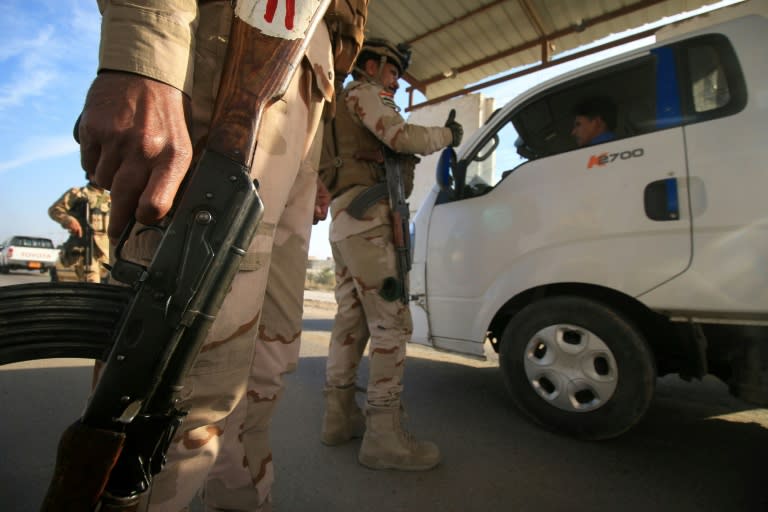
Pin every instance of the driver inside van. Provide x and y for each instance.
(594, 121)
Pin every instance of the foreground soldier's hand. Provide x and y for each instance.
(134, 139)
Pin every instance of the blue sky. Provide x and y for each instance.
(48, 59)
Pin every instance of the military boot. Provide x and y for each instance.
(387, 445)
(343, 419)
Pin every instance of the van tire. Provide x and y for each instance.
(577, 367)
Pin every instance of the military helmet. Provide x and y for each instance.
(375, 48)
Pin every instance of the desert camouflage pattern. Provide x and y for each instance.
(276, 353)
(363, 262)
(222, 448)
(366, 120)
(373, 111)
(374, 107)
(364, 253)
(99, 203)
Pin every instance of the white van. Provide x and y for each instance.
(592, 270)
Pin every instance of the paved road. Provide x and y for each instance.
(698, 449)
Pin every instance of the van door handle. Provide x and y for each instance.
(661, 200)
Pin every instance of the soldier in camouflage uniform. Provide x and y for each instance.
(160, 63)
(73, 254)
(364, 255)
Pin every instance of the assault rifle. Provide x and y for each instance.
(393, 189)
(106, 460)
(81, 210)
(400, 214)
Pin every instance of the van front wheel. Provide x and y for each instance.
(577, 367)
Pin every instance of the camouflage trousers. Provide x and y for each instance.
(363, 262)
(222, 447)
(89, 276)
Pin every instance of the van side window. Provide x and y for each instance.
(708, 82)
(666, 87)
(497, 157)
(714, 79)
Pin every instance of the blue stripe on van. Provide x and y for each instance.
(673, 206)
(668, 109)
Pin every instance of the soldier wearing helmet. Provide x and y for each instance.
(362, 243)
(77, 210)
(383, 52)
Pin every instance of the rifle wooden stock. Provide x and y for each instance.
(402, 252)
(397, 231)
(124, 433)
(84, 456)
(257, 72)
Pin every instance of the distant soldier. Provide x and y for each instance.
(84, 212)
(368, 284)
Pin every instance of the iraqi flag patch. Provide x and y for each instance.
(388, 98)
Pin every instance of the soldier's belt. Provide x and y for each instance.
(375, 155)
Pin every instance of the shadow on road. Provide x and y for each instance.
(688, 454)
(678, 459)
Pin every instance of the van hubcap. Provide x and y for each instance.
(571, 368)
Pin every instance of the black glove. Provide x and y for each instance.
(457, 131)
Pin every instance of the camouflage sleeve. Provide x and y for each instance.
(320, 57)
(376, 109)
(59, 211)
(152, 38)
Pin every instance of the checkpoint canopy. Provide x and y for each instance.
(456, 43)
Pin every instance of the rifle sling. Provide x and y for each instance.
(366, 199)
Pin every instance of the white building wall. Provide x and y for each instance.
(471, 111)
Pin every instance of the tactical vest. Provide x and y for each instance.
(346, 24)
(98, 206)
(344, 138)
(349, 155)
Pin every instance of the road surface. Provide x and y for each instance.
(698, 448)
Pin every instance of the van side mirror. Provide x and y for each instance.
(450, 174)
(445, 165)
